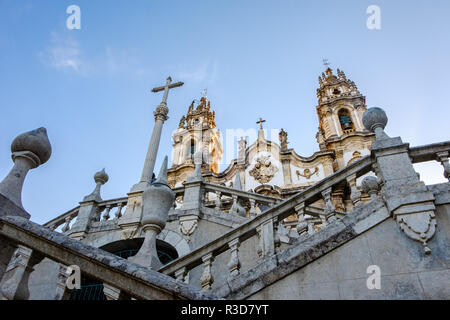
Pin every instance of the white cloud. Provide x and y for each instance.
(63, 53)
(205, 74)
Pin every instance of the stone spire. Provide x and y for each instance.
(157, 201)
(160, 117)
(29, 150)
(100, 179)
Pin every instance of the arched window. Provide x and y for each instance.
(345, 121)
(92, 289)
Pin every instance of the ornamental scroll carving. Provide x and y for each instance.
(264, 170)
(307, 173)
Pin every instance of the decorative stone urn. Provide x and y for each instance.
(157, 201)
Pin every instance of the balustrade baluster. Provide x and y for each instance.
(62, 292)
(181, 275)
(106, 215)
(234, 264)
(326, 194)
(14, 283)
(311, 230)
(66, 227)
(119, 210)
(218, 200)
(253, 212)
(207, 279)
(443, 159)
(355, 194)
(302, 225)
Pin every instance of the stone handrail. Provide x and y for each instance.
(428, 152)
(128, 278)
(263, 224)
(62, 219)
(104, 208)
(226, 191)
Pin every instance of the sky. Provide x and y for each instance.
(91, 87)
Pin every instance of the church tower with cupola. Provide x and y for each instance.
(196, 133)
(340, 109)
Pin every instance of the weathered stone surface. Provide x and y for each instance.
(9, 208)
(332, 263)
(35, 141)
(97, 263)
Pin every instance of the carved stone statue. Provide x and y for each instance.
(283, 139)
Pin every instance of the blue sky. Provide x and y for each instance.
(91, 87)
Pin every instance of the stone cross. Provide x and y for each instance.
(260, 122)
(160, 116)
(166, 88)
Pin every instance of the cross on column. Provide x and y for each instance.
(166, 88)
(160, 116)
(260, 122)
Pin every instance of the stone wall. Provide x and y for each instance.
(406, 272)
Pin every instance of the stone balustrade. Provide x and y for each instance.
(310, 218)
(219, 197)
(266, 226)
(27, 243)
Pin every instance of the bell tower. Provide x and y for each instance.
(196, 132)
(340, 109)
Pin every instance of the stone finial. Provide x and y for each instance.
(157, 201)
(162, 176)
(375, 120)
(33, 145)
(29, 150)
(100, 179)
(370, 186)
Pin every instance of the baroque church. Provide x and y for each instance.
(271, 168)
(273, 225)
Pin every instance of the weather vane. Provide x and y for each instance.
(326, 63)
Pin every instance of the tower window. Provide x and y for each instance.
(336, 91)
(192, 146)
(346, 121)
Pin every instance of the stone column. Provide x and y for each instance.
(407, 198)
(29, 150)
(150, 159)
